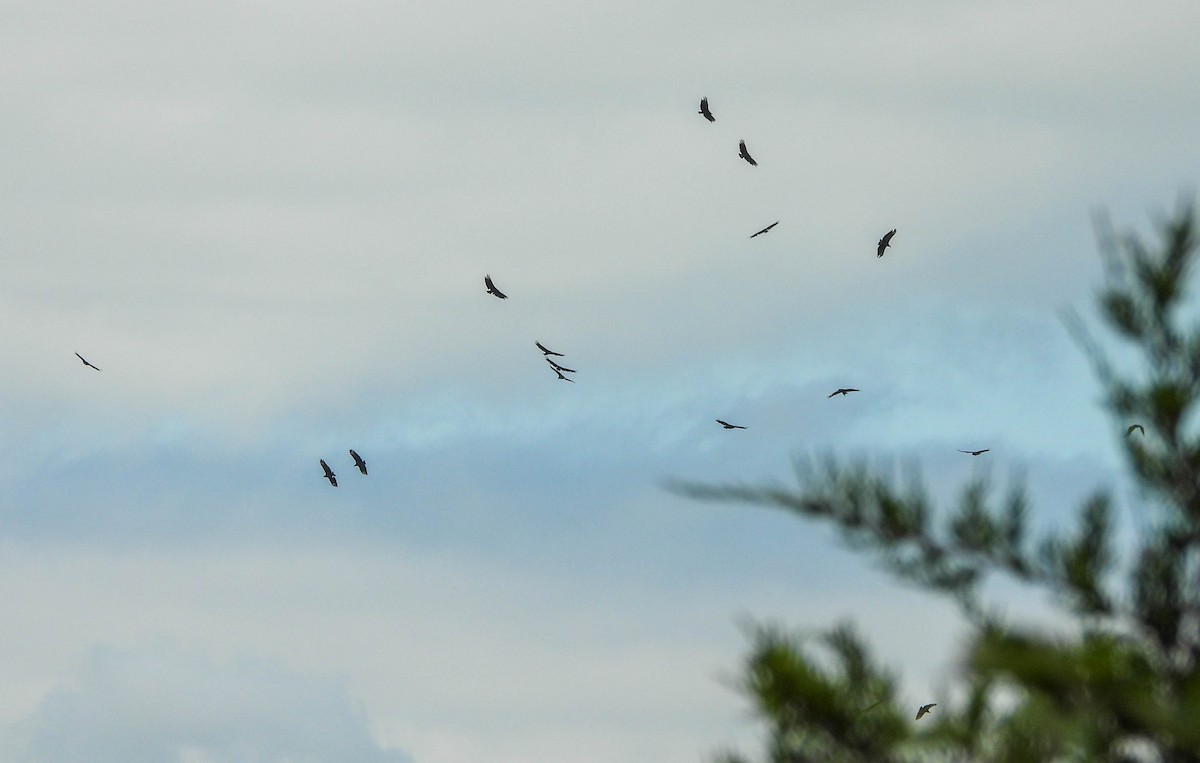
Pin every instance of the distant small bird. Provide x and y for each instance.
(491, 288)
(727, 425)
(764, 230)
(1127, 431)
(362, 465)
(547, 351)
(742, 152)
(89, 365)
(329, 475)
(560, 373)
(885, 242)
(843, 391)
(925, 709)
(557, 367)
(974, 452)
(704, 110)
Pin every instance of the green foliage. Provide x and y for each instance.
(1125, 686)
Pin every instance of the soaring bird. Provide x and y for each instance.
(491, 288)
(362, 465)
(885, 242)
(89, 365)
(560, 373)
(974, 452)
(843, 391)
(557, 367)
(764, 230)
(547, 351)
(329, 475)
(1127, 431)
(727, 425)
(704, 110)
(924, 710)
(742, 152)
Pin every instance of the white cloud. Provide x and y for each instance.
(161, 703)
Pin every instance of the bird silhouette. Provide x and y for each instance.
(362, 465)
(974, 452)
(742, 152)
(764, 230)
(1138, 427)
(843, 391)
(557, 367)
(329, 475)
(560, 372)
(704, 110)
(547, 351)
(727, 425)
(885, 242)
(925, 709)
(89, 365)
(491, 288)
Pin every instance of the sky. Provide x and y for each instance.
(268, 224)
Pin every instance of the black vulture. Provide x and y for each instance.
(362, 465)
(89, 365)
(329, 475)
(491, 288)
(546, 350)
(885, 242)
(727, 425)
(924, 710)
(764, 230)
(704, 110)
(742, 152)
(843, 391)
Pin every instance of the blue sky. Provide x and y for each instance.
(269, 225)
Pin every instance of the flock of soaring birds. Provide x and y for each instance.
(559, 370)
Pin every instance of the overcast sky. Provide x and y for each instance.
(268, 223)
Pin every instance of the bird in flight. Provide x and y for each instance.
(557, 367)
(704, 110)
(764, 230)
(362, 465)
(329, 475)
(727, 425)
(974, 452)
(843, 391)
(89, 365)
(925, 709)
(491, 288)
(1127, 431)
(546, 350)
(885, 242)
(742, 152)
(560, 372)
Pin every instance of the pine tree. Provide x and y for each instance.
(1124, 683)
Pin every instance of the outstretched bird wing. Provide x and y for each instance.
(557, 367)
(491, 287)
(764, 230)
(704, 110)
(1133, 427)
(885, 242)
(547, 351)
